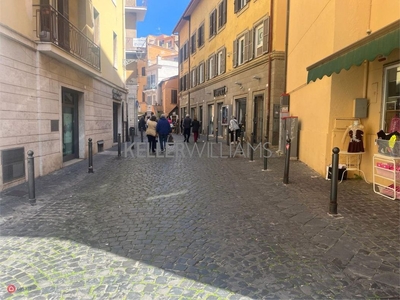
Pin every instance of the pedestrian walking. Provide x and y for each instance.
(163, 129)
(181, 126)
(187, 124)
(234, 129)
(152, 134)
(195, 129)
(142, 127)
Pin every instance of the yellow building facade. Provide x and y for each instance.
(343, 66)
(232, 63)
(62, 82)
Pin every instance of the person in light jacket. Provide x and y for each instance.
(152, 134)
(234, 129)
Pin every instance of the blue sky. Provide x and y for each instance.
(161, 17)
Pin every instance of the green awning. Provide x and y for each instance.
(381, 43)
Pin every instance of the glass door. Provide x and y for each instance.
(211, 119)
(70, 125)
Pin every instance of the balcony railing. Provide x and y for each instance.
(136, 3)
(150, 87)
(53, 27)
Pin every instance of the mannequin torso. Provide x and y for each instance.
(355, 132)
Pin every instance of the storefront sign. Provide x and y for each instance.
(116, 95)
(221, 91)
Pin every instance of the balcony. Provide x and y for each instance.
(138, 7)
(150, 87)
(55, 32)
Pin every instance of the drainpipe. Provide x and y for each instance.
(187, 18)
(286, 43)
(269, 68)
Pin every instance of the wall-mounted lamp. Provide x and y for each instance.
(240, 85)
(256, 77)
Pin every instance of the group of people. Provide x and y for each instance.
(161, 129)
(190, 125)
(154, 129)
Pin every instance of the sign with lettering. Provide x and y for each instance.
(221, 91)
(116, 95)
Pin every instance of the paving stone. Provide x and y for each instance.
(198, 228)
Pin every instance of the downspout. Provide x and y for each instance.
(188, 18)
(271, 10)
(286, 44)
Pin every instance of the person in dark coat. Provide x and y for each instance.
(195, 129)
(163, 129)
(187, 123)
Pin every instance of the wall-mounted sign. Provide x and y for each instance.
(221, 91)
(116, 95)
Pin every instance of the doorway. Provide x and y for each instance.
(219, 123)
(211, 119)
(241, 112)
(258, 119)
(70, 137)
(115, 122)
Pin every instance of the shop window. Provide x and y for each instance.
(391, 109)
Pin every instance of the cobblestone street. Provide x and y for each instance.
(196, 228)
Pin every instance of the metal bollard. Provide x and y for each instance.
(266, 155)
(208, 130)
(227, 136)
(119, 144)
(334, 181)
(251, 148)
(31, 178)
(90, 149)
(216, 135)
(287, 160)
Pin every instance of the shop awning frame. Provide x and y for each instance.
(382, 42)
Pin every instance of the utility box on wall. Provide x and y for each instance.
(360, 108)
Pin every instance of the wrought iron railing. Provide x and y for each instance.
(53, 27)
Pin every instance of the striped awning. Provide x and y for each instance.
(382, 42)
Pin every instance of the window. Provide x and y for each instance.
(210, 72)
(143, 71)
(222, 14)
(213, 23)
(193, 75)
(391, 96)
(186, 50)
(184, 82)
(115, 49)
(200, 33)
(221, 61)
(259, 34)
(193, 43)
(239, 4)
(161, 43)
(200, 73)
(242, 49)
(96, 27)
(174, 97)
